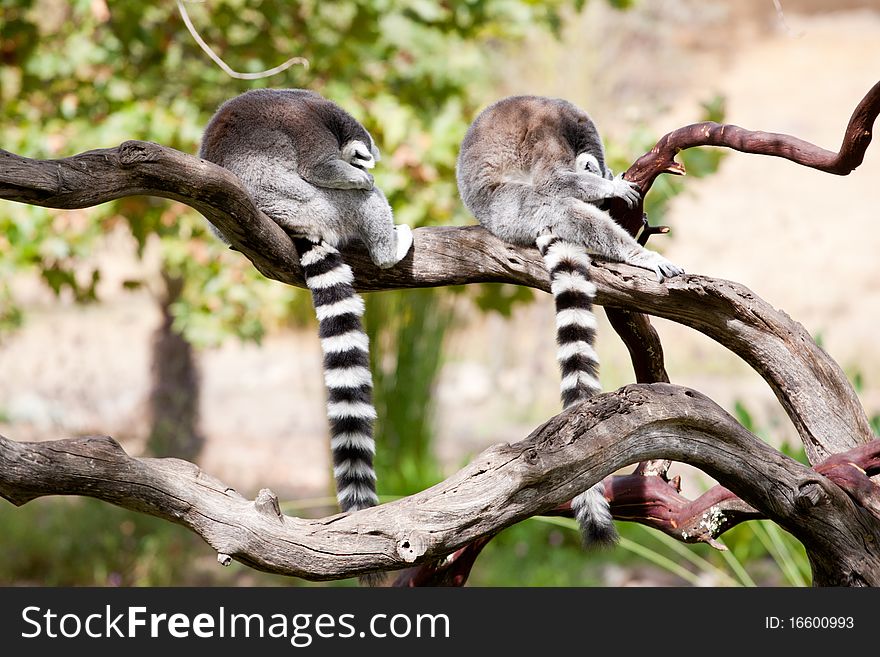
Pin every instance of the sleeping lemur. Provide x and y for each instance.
(532, 171)
(304, 161)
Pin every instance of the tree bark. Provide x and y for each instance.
(810, 385)
(504, 485)
(833, 509)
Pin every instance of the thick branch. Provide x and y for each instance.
(811, 386)
(504, 485)
(643, 344)
(646, 354)
(656, 503)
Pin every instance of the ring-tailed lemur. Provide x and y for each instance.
(532, 171)
(304, 161)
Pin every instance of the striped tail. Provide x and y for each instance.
(573, 292)
(346, 372)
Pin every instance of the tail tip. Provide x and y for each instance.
(593, 515)
(373, 580)
(598, 535)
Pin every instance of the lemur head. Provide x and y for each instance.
(590, 163)
(359, 155)
(587, 162)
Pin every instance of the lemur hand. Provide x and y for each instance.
(360, 179)
(626, 190)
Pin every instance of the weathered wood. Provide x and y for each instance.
(502, 486)
(646, 353)
(811, 387)
(840, 536)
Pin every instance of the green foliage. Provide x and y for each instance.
(759, 553)
(406, 330)
(85, 542)
(76, 76)
(538, 553)
(75, 542)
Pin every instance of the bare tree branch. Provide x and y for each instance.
(646, 354)
(810, 385)
(661, 158)
(504, 485)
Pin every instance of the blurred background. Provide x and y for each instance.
(131, 320)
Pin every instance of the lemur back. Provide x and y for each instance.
(304, 161)
(532, 171)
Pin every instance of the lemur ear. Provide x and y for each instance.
(377, 156)
(587, 162)
(357, 154)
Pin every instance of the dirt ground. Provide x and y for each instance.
(803, 240)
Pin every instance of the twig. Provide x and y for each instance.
(661, 158)
(223, 65)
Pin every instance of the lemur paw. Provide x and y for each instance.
(354, 179)
(404, 241)
(363, 180)
(626, 190)
(665, 269)
(656, 263)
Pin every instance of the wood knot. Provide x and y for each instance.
(809, 494)
(411, 547)
(267, 504)
(136, 152)
(223, 559)
(531, 456)
(106, 445)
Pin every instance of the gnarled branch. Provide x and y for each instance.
(661, 158)
(504, 485)
(657, 503)
(810, 385)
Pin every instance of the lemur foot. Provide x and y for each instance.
(656, 263)
(404, 241)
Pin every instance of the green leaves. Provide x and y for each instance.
(413, 72)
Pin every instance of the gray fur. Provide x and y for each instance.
(517, 174)
(299, 157)
(533, 167)
(304, 161)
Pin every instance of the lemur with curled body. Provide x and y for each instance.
(532, 171)
(304, 161)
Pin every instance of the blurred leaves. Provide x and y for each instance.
(83, 75)
(698, 162)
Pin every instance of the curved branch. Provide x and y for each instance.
(504, 485)
(661, 158)
(646, 354)
(811, 386)
(657, 503)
